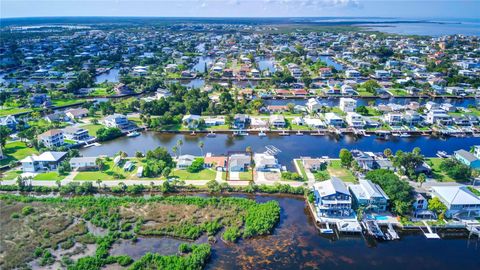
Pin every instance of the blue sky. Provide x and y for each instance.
(243, 8)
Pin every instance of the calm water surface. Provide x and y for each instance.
(291, 146)
(297, 244)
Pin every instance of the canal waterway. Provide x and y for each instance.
(291, 146)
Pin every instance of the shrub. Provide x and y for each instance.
(27, 210)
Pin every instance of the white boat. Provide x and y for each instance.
(405, 135)
(326, 230)
(299, 133)
(133, 134)
(283, 133)
(211, 134)
(240, 133)
(262, 134)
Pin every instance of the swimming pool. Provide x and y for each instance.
(378, 217)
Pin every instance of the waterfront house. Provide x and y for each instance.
(314, 122)
(184, 161)
(467, 158)
(240, 121)
(122, 89)
(219, 163)
(277, 121)
(348, 104)
(116, 121)
(265, 162)
(238, 162)
(476, 151)
(56, 117)
(51, 138)
(393, 119)
(40, 100)
(348, 90)
(314, 164)
(75, 114)
(438, 116)
(276, 108)
(76, 134)
(9, 121)
(214, 121)
(258, 123)
(297, 120)
(352, 74)
(47, 161)
(354, 120)
(83, 163)
(333, 119)
(459, 200)
(313, 105)
(191, 120)
(332, 198)
(369, 195)
(325, 72)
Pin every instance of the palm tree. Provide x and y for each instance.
(123, 186)
(99, 182)
(179, 144)
(175, 150)
(59, 183)
(201, 144)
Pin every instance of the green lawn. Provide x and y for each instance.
(335, 169)
(11, 175)
(205, 174)
(219, 127)
(438, 174)
(245, 176)
(301, 168)
(16, 151)
(398, 92)
(110, 172)
(93, 175)
(52, 176)
(65, 102)
(92, 128)
(9, 111)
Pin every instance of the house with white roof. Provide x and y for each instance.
(355, 120)
(332, 198)
(83, 163)
(348, 104)
(459, 200)
(47, 161)
(369, 195)
(265, 162)
(333, 120)
(313, 105)
(184, 161)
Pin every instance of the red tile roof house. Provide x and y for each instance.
(299, 92)
(282, 92)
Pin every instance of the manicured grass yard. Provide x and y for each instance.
(64, 102)
(16, 151)
(245, 176)
(92, 128)
(52, 176)
(301, 168)
(11, 175)
(438, 174)
(335, 169)
(110, 172)
(205, 174)
(93, 175)
(9, 111)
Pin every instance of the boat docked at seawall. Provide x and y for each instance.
(133, 134)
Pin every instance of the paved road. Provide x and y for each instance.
(112, 183)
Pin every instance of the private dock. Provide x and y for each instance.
(429, 234)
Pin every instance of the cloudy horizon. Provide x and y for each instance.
(242, 8)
